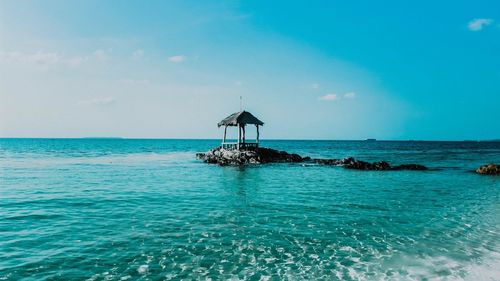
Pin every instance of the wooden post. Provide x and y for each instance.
(225, 131)
(243, 128)
(239, 136)
(257, 139)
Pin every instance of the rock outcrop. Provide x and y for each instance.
(351, 163)
(225, 157)
(489, 169)
(262, 155)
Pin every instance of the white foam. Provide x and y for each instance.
(143, 269)
(440, 267)
(489, 269)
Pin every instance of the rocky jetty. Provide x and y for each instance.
(489, 169)
(225, 157)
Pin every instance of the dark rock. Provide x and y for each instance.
(362, 165)
(489, 169)
(351, 163)
(347, 161)
(382, 166)
(335, 162)
(263, 155)
(225, 157)
(332, 162)
(414, 167)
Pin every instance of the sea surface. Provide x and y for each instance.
(119, 209)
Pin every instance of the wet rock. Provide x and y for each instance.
(263, 155)
(335, 162)
(414, 167)
(330, 162)
(383, 166)
(351, 163)
(489, 169)
(225, 157)
(347, 161)
(362, 165)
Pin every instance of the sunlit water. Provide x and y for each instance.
(89, 209)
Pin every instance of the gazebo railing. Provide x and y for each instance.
(248, 145)
(234, 145)
(230, 145)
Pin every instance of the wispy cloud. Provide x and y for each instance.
(42, 59)
(45, 59)
(479, 24)
(336, 97)
(329, 97)
(39, 57)
(315, 86)
(177, 58)
(76, 61)
(350, 95)
(98, 101)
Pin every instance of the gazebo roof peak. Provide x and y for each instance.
(240, 118)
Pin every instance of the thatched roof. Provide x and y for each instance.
(242, 117)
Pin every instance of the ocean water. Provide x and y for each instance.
(113, 209)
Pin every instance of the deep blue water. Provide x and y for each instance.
(113, 209)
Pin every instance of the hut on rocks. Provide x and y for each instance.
(243, 152)
(241, 120)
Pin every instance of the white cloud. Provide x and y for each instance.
(8, 56)
(76, 61)
(178, 58)
(138, 54)
(44, 58)
(479, 24)
(98, 101)
(238, 83)
(350, 95)
(315, 86)
(329, 97)
(41, 58)
(336, 97)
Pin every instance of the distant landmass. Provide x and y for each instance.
(102, 138)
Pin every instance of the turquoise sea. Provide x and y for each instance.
(119, 209)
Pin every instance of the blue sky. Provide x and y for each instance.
(309, 70)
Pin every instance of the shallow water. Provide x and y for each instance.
(112, 209)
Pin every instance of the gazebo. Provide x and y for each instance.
(240, 119)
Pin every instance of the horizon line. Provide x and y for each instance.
(267, 139)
